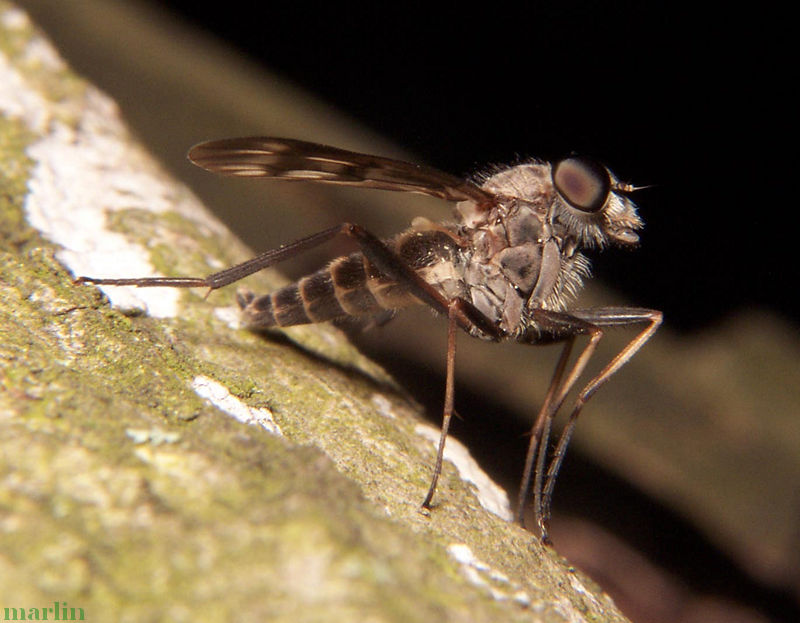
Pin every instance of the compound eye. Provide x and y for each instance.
(582, 183)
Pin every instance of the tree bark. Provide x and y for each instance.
(160, 462)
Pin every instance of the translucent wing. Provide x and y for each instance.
(293, 160)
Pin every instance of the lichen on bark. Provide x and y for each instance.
(127, 491)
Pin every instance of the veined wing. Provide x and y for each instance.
(293, 160)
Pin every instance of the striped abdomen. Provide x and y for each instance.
(350, 285)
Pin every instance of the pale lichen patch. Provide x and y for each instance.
(218, 395)
(230, 316)
(14, 19)
(84, 168)
(493, 498)
(154, 436)
(18, 101)
(480, 574)
(384, 406)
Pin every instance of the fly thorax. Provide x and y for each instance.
(504, 264)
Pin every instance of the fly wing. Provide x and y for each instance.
(293, 160)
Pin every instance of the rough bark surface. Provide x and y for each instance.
(160, 462)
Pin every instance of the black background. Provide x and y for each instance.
(690, 99)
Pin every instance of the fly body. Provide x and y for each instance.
(505, 267)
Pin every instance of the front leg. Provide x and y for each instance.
(550, 326)
(560, 326)
(604, 317)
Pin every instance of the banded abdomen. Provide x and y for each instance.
(351, 286)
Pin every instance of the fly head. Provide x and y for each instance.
(591, 205)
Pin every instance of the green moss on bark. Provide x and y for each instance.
(123, 492)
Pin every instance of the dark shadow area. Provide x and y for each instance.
(277, 336)
(498, 442)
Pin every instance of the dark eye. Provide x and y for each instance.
(582, 183)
